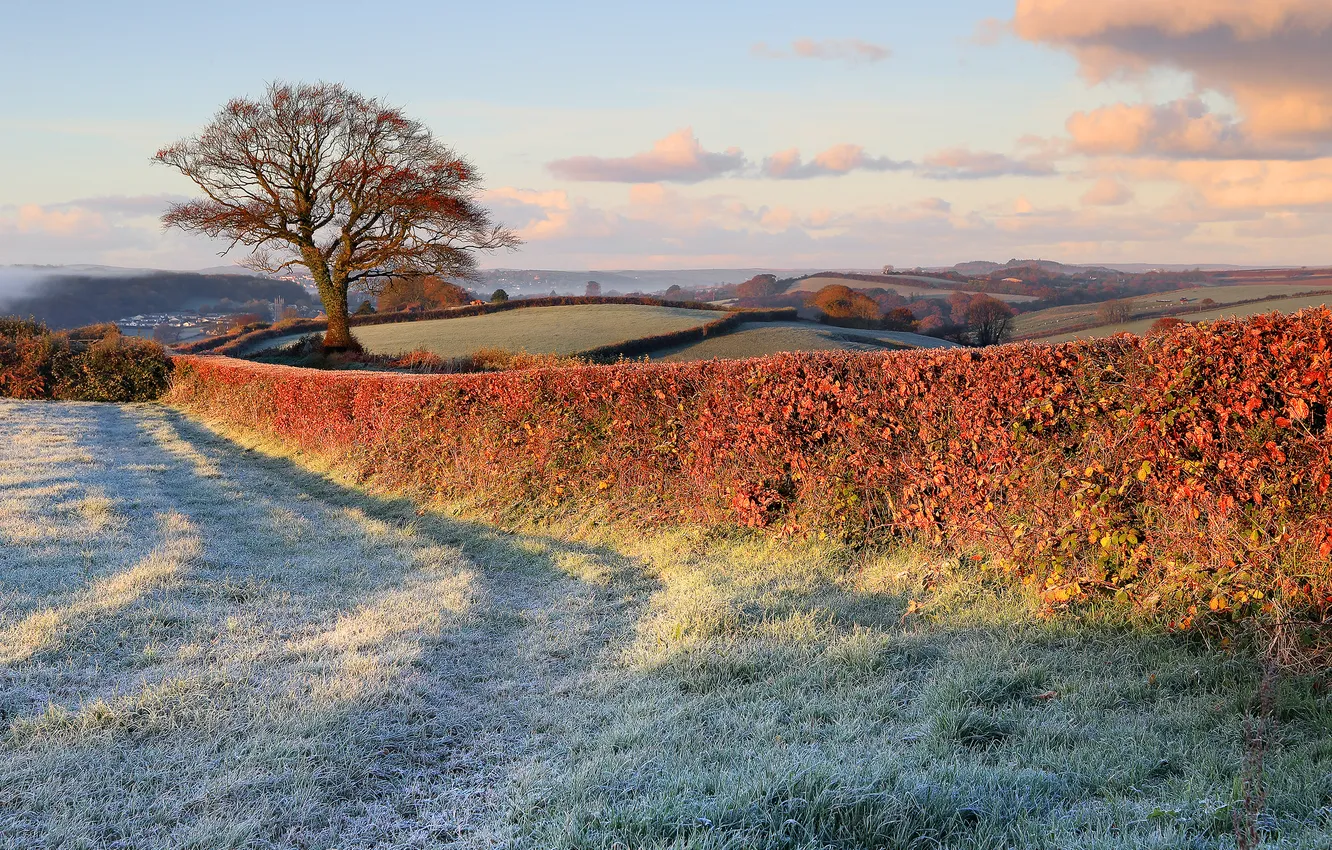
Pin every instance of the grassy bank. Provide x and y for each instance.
(207, 643)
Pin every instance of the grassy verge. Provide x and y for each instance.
(208, 643)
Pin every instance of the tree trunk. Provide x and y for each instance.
(338, 336)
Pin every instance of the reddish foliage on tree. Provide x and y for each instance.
(899, 319)
(842, 302)
(425, 292)
(345, 185)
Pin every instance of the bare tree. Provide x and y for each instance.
(1114, 312)
(990, 319)
(319, 176)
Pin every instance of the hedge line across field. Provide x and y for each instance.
(1186, 475)
(237, 342)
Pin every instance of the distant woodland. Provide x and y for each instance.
(70, 301)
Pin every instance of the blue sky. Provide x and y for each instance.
(1001, 167)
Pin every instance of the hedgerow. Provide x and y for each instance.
(1185, 474)
(233, 343)
(656, 342)
(94, 363)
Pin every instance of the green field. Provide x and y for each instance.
(1048, 322)
(206, 645)
(814, 284)
(1290, 304)
(756, 339)
(537, 330)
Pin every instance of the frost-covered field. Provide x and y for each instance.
(206, 645)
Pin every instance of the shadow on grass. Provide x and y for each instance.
(333, 667)
(338, 669)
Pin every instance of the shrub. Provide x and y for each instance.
(841, 304)
(94, 363)
(1186, 475)
(116, 368)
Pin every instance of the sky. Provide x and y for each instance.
(719, 134)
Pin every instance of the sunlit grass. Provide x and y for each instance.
(309, 665)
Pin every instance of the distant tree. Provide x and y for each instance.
(426, 292)
(593, 289)
(930, 324)
(989, 319)
(841, 303)
(958, 304)
(288, 314)
(1114, 312)
(499, 296)
(759, 286)
(345, 185)
(674, 292)
(366, 308)
(166, 334)
(899, 319)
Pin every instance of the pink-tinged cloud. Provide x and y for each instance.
(677, 158)
(1108, 192)
(1286, 225)
(1270, 56)
(1182, 128)
(1250, 185)
(966, 164)
(835, 161)
(851, 50)
(32, 218)
(110, 230)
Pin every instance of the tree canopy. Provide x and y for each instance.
(348, 187)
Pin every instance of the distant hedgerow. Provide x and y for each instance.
(233, 343)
